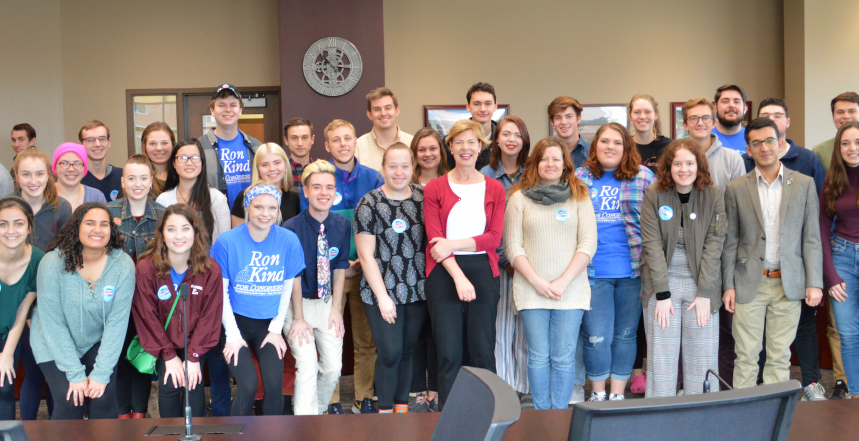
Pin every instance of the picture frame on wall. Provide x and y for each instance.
(442, 117)
(595, 115)
(677, 130)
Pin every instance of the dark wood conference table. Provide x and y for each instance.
(829, 420)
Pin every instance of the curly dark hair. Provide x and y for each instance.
(68, 240)
(663, 170)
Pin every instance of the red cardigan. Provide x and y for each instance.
(205, 304)
(439, 199)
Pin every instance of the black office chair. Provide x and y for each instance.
(481, 407)
(12, 431)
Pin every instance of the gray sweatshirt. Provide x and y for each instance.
(74, 318)
(725, 164)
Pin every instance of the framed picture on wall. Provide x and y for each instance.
(677, 130)
(595, 115)
(442, 118)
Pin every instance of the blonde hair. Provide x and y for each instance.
(50, 192)
(318, 166)
(335, 124)
(270, 147)
(279, 219)
(463, 126)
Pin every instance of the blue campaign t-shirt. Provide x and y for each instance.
(177, 278)
(257, 270)
(736, 141)
(611, 260)
(235, 160)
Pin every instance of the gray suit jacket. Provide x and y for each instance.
(800, 250)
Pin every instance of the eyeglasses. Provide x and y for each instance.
(184, 158)
(695, 119)
(73, 165)
(778, 115)
(770, 142)
(92, 140)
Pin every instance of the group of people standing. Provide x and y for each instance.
(542, 264)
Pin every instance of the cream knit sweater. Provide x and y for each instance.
(534, 231)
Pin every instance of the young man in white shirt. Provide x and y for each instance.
(382, 110)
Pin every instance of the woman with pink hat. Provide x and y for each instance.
(70, 166)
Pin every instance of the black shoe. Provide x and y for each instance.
(840, 392)
(364, 406)
(258, 407)
(335, 409)
(287, 405)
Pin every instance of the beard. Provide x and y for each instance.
(730, 123)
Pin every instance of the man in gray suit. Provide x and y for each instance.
(772, 258)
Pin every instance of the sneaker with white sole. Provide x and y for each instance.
(616, 397)
(597, 396)
(814, 392)
(578, 394)
(840, 391)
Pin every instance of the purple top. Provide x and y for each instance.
(846, 224)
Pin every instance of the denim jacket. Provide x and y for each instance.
(136, 234)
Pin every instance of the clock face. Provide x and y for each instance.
(332, 66)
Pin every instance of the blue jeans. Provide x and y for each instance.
(610, 327)
(551, 336)
(845, 258)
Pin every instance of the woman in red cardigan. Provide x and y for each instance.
(464, 216)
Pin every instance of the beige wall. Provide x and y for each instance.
(31, 73)
(109, 46)
(831, 65)
(597, 52)
(794, 68)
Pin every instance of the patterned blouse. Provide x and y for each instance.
(400, 243)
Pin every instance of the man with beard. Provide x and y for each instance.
(731, 110)
(845, 108)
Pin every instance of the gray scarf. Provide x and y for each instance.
(549, 194)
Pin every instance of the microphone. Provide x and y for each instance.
(707, 381)
(189, 429)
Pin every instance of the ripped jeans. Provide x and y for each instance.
(610, 327)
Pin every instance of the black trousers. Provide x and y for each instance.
(425, 357)
(132, 387)
(7, 389)
(640, 345)
(805, 344)
(395, 345)
(727, 354)
(452, 319)
(254, 332)
(170, 399)
(99, 408)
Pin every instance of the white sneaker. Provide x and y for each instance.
(615, 397)
(597, 397)
(578, 394)
(814, 392)
(681, 392)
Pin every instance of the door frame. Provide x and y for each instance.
(182, 122)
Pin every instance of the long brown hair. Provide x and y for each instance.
(657, 123)
(836, 178)
(530, 177)
(50, 193)
(198, 262)
(628, 164)
(157, 126)
(442, 164)
(495, 153)
(663, 170)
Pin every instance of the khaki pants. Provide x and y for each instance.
(319, 362)
(362, 340)
(835, 347)
(781, 316)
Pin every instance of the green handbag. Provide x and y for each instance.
(140, 359)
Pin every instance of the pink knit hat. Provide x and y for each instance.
(72, 147)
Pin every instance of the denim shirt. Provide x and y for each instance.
(136, 234)
(507, 181)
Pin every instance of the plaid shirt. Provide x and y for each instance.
(297, 170)
(631, 197)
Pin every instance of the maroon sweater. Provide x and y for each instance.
(846, 224)
(205, 305)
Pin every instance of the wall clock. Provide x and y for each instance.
(332, 66)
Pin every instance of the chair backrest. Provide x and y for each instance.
(481, 407)
(12, 431)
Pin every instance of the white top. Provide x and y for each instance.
(468, 217)
(220, 210)
(770, 195)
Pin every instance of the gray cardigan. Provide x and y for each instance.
(70, 319)
(214, 168)
(705, 234)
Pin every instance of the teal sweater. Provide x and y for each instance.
(74, 318)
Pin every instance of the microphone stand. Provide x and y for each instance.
(707, 381)
(189, 429)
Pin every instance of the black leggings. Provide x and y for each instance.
(170, 398)
(99, 408)
(7, 390)
(132, 387)
(640, 345)
(452, 319)
(254, 332)
(425, 356)
(394, 347)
